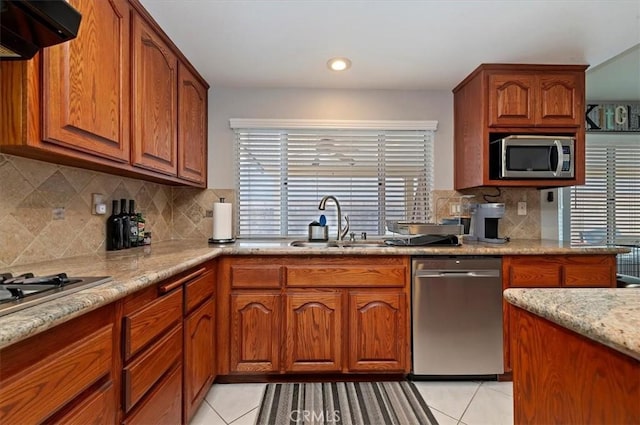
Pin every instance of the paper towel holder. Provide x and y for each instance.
(221, 241)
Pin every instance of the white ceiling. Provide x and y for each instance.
(419, 44)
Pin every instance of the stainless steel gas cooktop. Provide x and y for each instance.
(28, 290)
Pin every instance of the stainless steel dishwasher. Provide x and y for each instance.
(457, 316)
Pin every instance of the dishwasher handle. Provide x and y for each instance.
(447, 274)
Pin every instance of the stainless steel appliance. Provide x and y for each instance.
(457, 317)
(28, 290)
(532, 157)
(484, 222)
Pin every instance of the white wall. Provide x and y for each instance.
(226, 103)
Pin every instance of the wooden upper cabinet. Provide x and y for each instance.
(86, 83)
(511, 100)
(497, 100)
(561, 100)
(192, 127)
(533, 100)
(154, 93)
(108, 100)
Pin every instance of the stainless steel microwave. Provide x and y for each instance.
(532, 157)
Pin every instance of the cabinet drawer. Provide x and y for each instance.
(163, 405)
(198, 290)
(258, 276)
(147, 369)
(98, 408)
(596, 276)
(330, 275)
(529, 276)
(560, 271)
(149, 322)
(53, 382)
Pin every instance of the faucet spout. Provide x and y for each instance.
(341, 232)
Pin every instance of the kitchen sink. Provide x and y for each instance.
(340, 244)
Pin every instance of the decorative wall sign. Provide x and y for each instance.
(613, 117)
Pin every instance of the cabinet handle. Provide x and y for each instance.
(175, 284)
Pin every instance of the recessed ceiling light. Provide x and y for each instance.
(339, 64)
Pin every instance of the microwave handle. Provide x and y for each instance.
(558, 146)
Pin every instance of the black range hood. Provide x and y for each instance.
(29, 25)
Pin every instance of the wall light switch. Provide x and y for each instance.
(522, 208)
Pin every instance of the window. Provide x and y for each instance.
(378, 171)
(606, 209)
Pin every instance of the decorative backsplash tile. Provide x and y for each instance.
(30, 190)
(511, 225)
(193, 211)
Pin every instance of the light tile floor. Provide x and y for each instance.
(452, 403)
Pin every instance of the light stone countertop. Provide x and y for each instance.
(610, 316)
(137, 268)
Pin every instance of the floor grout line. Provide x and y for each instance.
(238, 418)
(469, 404)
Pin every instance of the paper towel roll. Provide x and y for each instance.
(222, 221)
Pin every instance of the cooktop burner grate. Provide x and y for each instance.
(27, 290)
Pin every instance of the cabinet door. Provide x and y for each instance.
(559, 100)
(255, 332)
(511, 100)
(192, 127)
(199, 357)
(313, 331)
(154, 94)
(377, 331)
(86, 83)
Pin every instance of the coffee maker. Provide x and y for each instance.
(484, 222)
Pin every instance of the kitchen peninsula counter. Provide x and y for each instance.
(137, 268)
(609, 316)
(575, 355)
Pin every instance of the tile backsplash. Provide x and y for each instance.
(30, 190)
(511, 225)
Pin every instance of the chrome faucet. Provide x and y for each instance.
(341, 232)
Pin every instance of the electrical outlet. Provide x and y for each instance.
(454, 209)
(58, 213)
(98, 207)
(522, 208)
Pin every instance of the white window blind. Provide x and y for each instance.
(377, 174)
(606, 209)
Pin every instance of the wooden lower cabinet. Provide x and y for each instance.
(47, 377)
(163, 406)
(97, 408)
(552, 271)
(199, 356)
(314, 315)
(377, 321)
(313, 331)
(168, 347)
(255, 332)
(560, 377)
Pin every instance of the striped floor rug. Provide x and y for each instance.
(344, 403)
